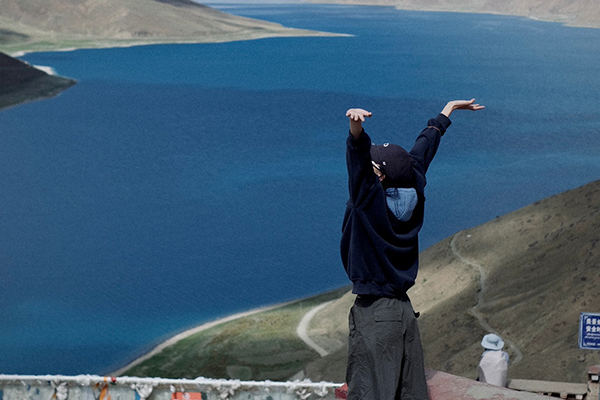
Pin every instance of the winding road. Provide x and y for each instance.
(474, 311)
(303, 325)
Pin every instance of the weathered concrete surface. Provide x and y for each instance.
(561, 389)
(443, 386)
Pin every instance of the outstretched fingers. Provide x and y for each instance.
(468, 105)
(474, 106)
(358, 114)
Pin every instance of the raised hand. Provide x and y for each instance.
(357, 117)
(358, 114)
(461, 105)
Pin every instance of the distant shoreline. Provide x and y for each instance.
(570, 20)
(112, 44)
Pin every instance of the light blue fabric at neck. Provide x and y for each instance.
(402, 202)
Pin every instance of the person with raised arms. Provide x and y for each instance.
(380, 254)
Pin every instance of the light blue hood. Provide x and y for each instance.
(402, 202)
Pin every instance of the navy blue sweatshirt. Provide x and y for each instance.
(381, 253)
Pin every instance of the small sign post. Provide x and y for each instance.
(589, 331)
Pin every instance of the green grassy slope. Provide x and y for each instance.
(257, 347)
(542, 268)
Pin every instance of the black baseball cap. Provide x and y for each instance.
(395, 163)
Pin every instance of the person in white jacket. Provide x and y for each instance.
(493, 366)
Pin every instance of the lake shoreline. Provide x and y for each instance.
(294, 32)
(192, 331)
(566, 20)
(112, 44)
(118, 167)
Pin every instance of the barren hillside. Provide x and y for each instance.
(585, 13)
(47, 24)
(541, 268)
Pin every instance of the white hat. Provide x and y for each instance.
(492, 341)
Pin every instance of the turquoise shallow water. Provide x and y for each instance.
(178, 183)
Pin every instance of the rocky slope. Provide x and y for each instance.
(20, 82)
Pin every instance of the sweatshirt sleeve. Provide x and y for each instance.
(360, 169)
(428, 140)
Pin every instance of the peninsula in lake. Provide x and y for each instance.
(46, 25)
(41, 25)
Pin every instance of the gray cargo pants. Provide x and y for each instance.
(385, 356)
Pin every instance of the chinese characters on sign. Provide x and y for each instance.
(589, 331)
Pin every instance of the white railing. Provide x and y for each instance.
(92, 387)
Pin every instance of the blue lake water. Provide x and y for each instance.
(179, 183)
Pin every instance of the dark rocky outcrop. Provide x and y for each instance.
(21, 82)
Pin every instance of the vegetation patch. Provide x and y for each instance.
(257, 347)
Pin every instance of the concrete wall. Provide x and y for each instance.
(125, 388)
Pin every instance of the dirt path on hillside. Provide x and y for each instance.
(474, 311)
(303, 325)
